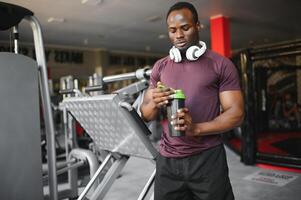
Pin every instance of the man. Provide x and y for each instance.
(193, 166)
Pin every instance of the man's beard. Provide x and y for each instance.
(192, 43)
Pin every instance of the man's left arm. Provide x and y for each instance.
(231, 117)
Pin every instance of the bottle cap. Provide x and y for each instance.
(179, 94)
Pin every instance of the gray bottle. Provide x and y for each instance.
(177, 103)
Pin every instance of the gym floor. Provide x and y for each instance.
(248, 182)
(245, 186)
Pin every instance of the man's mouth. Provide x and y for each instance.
(180, 44)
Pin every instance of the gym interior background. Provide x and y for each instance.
(89, 42)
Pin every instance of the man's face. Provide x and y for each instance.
(182, 30)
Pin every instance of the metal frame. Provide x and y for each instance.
(113, 172)
(69, 91)
(80, 108)
(45, 94)
(249, 152)
(248, 128)
(47, 111)
(147, 186)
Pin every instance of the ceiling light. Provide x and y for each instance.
(54, 19)
(154, 18)
(251, 42)
(162, 36)
(86, 41)
(217, 16)
(92, 2)
(147, 48)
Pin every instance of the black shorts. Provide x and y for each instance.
(199, 177)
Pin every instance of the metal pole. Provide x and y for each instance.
(273, 55)
(147, 186)
(94, 178)
(248, 152)
(50, 134)
(119, 77)
(87, 156)
(126, 76)
(275, 47)
(60, 165)
(16, 38)
(72, 166)
(109, 179)
(65, 169)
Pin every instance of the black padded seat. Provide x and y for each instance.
(11, 15)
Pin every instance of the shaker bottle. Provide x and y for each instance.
(177, 103)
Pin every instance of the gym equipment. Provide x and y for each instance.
(20, 136)
(192, 53)
(271, 78)
(20, 133)
(115, 126)
(69, 89)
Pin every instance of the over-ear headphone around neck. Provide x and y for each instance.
(192, 53)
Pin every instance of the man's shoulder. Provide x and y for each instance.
(219, 60)
(163, 61)
(214, 56)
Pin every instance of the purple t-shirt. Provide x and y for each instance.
(201, 81)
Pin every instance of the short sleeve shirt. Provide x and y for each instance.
(202, 81)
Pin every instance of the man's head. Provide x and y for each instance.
(183, 25)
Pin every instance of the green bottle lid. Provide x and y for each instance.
(179, 94)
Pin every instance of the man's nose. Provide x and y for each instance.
(179, 34)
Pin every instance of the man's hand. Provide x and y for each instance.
(182, 121)
(153, 100)
(161, 95)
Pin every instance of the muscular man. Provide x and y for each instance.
(193, 166)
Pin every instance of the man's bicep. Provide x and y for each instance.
(230, 99)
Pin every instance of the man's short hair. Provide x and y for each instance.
(181, 5)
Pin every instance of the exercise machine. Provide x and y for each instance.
(20, 131)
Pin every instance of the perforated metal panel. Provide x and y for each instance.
(108, 124)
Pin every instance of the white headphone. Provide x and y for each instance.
(192, 53)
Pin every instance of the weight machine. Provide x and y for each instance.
(113, 124)
(128, 138)
(17, 127)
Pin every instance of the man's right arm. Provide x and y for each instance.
(148, 108)
(153, 100)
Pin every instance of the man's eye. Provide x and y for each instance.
(185, 28)
(172, 30)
